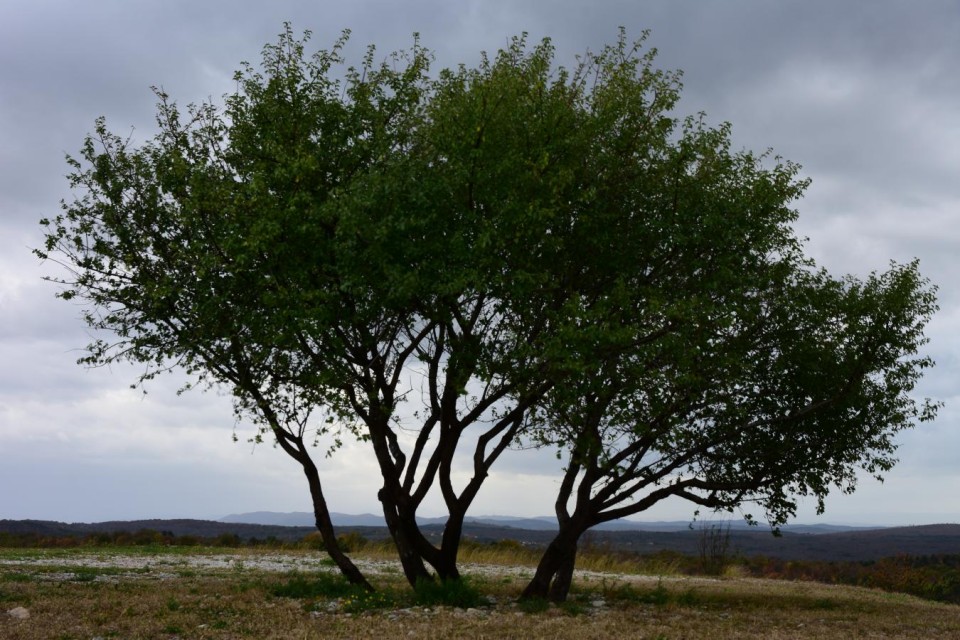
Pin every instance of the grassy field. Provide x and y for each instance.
(243, 593)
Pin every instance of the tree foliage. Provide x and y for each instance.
(447, 266)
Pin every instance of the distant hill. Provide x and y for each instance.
(179, 527)
(539, 523)
(846, 544)
(855, 545)
(302, 518)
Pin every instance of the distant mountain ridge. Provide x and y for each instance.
(537, 523)
(852, 545)
(178, 527)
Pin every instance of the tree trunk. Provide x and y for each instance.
(295, 448)
(445, 560)
(555, 571)
(446, 565)
(325, 527)
(419, 551)
(563, 577)
(404, 537)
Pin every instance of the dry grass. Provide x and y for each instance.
(81, 595)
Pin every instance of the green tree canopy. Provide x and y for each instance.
(444, 266)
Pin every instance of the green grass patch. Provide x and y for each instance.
(27, 555)
(824, 604)
(90, 574)
(85, 574)
(7, 596)
(450, 593)
(658, 596)
(321, 585)
(628, 593)
(573, 607)
(534, 605)
(362, 601)
(13, 576)
(688, 598)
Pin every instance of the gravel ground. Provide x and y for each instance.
(163, 566)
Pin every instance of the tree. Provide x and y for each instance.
(710, 359)
(313, 247)
(778, 404)
(173, 246)
(444, 266)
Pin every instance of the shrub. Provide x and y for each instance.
(351, 541)
(713, 546)
(227, 540)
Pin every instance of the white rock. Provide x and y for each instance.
(19, 613)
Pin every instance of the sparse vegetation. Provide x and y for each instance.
(313, 586)
(199, 593)
(933, 577)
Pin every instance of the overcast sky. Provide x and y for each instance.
(865, 96)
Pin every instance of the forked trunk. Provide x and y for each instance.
(404, 536)
(416, 552)
(445, 564)
(554, 573)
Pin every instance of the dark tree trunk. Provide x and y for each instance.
(294, 447)
(555, 571)
(409, 539)
(327, 533)
(445, 560)
(446, 565)
(563, 577)
(404, 534)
